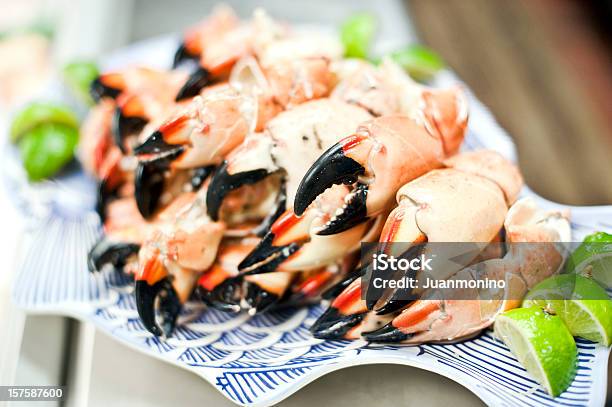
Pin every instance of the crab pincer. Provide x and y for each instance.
(348, 316)
(381, 156)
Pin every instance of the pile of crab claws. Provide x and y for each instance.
(386, 334)
(222, 183)
(124, 126)
(198, 79)
(169, 305)
(108, 252)
(155, 144)
(99, 90)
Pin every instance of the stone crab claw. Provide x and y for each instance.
(182, 246)
(291, 244)
(154, 286)
(124, 232)
(290, 143)
(348, 316)
(444, 317)
(382, 155)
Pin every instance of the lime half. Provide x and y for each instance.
(39, 113)
(420, 62)
(583, 305)
(542, 344)
(593, 258)
(357, 33)
(47, 148)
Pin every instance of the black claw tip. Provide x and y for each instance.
(259, 299)
(107, 252)
(125, 126)
(335, 290)
(386, 334)
(333, 167)
(155, 144)
(181, 55)
(196, 81)
(391, 306)
(224, 297)
(149, 185)
(169, 306)
(266, 257)
(98, 90)
(222, 183)
(149, 181)
(333, 325)
(354, 213)
(105, 195)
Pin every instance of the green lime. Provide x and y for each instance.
(357, 33)
(47, 148)
(420, 62)
(583, 305)
(593, 258)
(79, 75)
(41, 112)
(542, 344)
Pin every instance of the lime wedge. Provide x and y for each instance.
(420, 62)
(593, 258)
(357, 33)
(583, 305)
(47, 148)
(542, 344)
(41, 112)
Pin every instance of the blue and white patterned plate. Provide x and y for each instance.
(263, 359)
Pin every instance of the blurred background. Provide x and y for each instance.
(544, 68)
